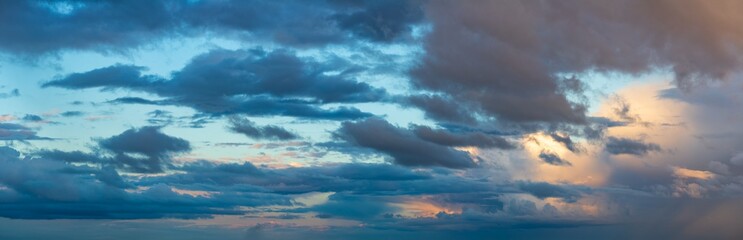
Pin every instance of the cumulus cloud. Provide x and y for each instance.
(154, 146)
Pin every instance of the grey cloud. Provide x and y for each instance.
(155, 147)
(32, 118)
(72, 114)
(113, 26)
(47, 188)
(566, 141)
(253, 82)
(364, 192)
(352, 207)
(442, 109)
(39, 28)
(112, 77)
(506, 59)
(476, 139)
(250, 129)
(382, 21)
(554, 159)
(544, 190)
(13, 93)
(402, 145)
(135, 100)
(13, 131)
(617, 146)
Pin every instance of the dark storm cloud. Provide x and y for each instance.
(617, 146)
(155, 147)
(554, 159)
(402, 145)
(13, 131)
(250, 129)
(254, 82)
(509, 59)
(47, 27)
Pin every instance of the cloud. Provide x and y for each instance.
(42, 188)
(737, 159)
(136, 150)
(112, 77)
(135, 100)
(89, 25)
(442, 108)
(117, 26)
(270, 132)
(466, 139)
(252, 82)
(508, 59)
(381, 21)
(352, 207)
(32, 118)
(553, 159)
(72, 114)
(618, 146)
(13, 131)
(545, 190)
(402, 145)
(13, 93)
(154, 146)
(566, 141)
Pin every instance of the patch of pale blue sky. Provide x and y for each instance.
(103, 120)
(100, 119)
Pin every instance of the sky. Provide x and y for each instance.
(384, 119)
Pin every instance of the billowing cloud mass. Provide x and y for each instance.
(390, 119)
(253, 82)
(516, 60)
